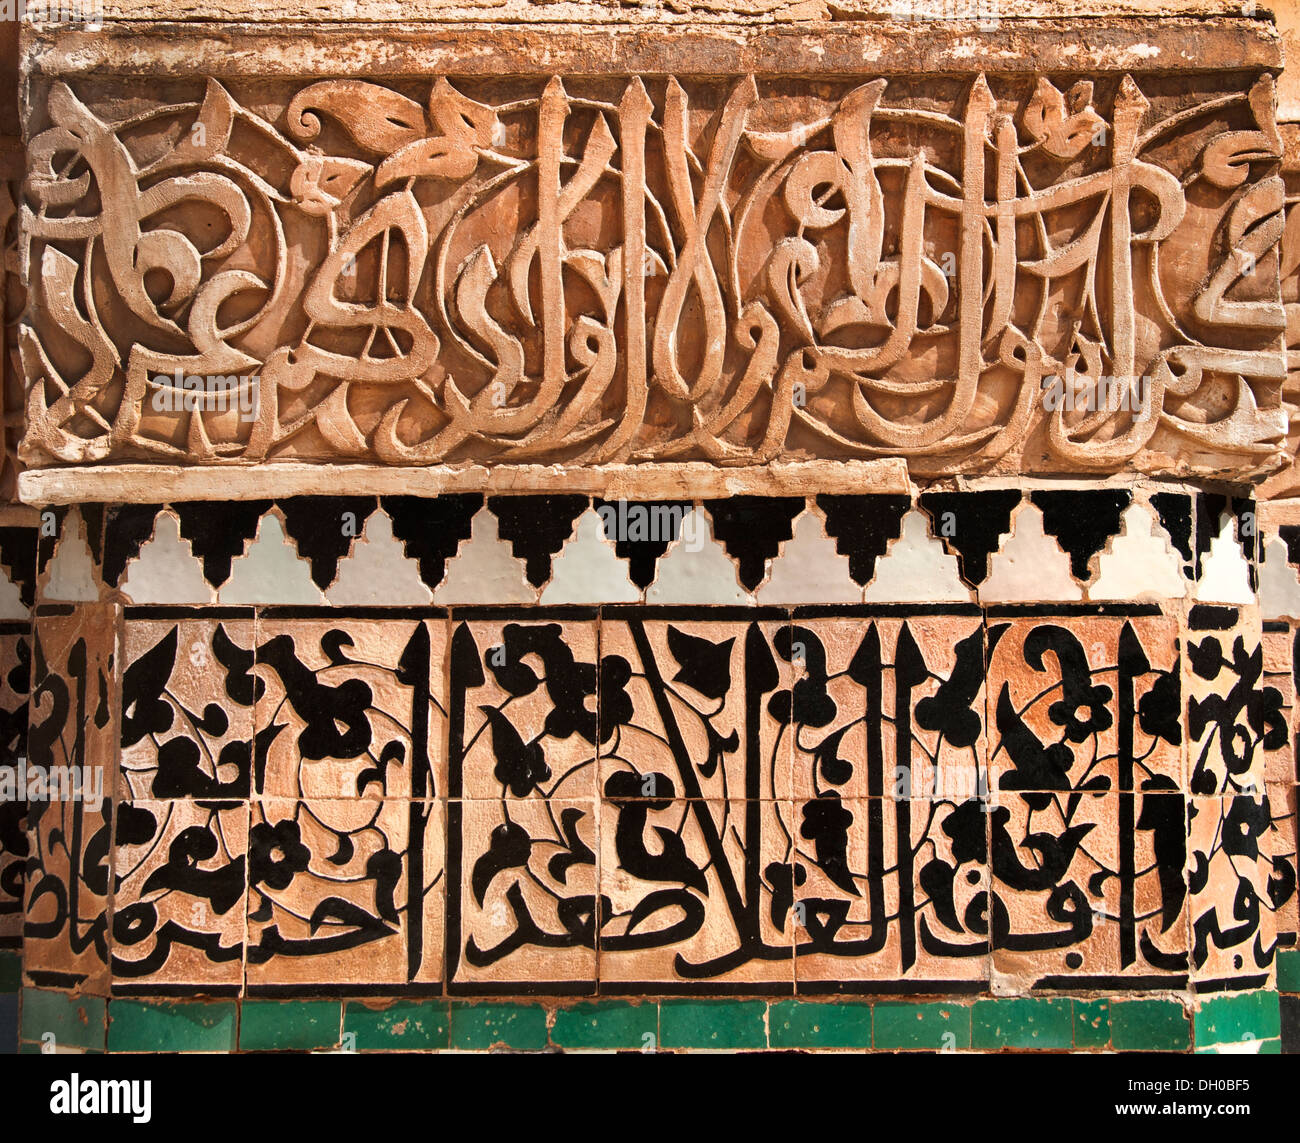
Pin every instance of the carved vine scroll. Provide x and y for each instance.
(632, 271)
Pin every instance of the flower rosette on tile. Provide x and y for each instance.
(1086, 839)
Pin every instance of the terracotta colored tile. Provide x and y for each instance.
(329, 882)
(525, 698)
(1281, 847)
(1279, 755)
(685, 718)
(1154, 931)
(845, 901)
(351, 707)
(696, 893)
(1232, 929)
(1055, 896)
(1233, 718)
(525, 900)
(15, 683)
(950, 895)
(861, 684)
(73, 729)
(187, 698)
(179, 892)
(1084, 704)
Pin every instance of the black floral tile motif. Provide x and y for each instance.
(15, 683)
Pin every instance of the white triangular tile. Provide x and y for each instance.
(166, 570)
(70, 574)
(1031, 567)
(377, 572)
(1279, 584)
(916, 568)
(484, 569)
(1225, 572)
(11, 599)
(1140, 563)
(809, 569)
(696, 568)
(588, 570)
(270, 571)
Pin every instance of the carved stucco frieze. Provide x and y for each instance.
(640, 269)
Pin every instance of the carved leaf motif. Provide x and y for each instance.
(1062, 135)
(378, 119)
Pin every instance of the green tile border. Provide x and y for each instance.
(726, 1025)
(479, 1026)
(1023, 1022)
(172, 1026)
(806, 1024)
(673, 1024)
(1149, 1025)
(73, 1021)
(607, 1025)
(399, 1026)
(1288, 970)
(11, 970)
(290, 1025)
(1233, 1018)
(912, 1026)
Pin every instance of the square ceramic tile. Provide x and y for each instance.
(329, 886)
(696, 895)
(187, 707)
(697, 709)
(1279, 675)
(889, 707)
(846, 889)
(15, 683)
(1232, 927)
(522, 904)
(523, 709)
(1084, 703)
(179, 891)
(72, 737)
(1234, 718)
(949, 908)
(351, 707)
(1284, 896)
(1055, 905)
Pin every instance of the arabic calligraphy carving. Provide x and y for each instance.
(632, 272)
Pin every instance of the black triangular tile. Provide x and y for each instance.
(1175, 512)
(51, 529)
(18, 554)
(316, 526)
(219, 531)
(752, 530)
(862, 528)
(93, 515)
(1081, 521)
(127, 529)
(536, 527)
(432, 528)
(973, 523)
(641, 532)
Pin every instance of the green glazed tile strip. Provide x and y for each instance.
(936, 1026)
(74, 1021)
(1022, 1023)
(1234, 1018)
(405, 1025)
(1149, 1025)
(181, 1026)
(1091, 1024)
(607, 1025)
(477, 1027)
(722, 1024)
(1288, 971)
(289, 1025)
(804, 1024)
(11, 970)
